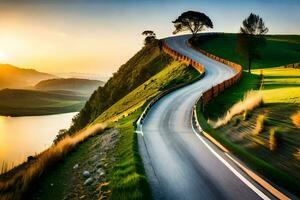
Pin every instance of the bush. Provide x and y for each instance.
(275, 139)
(259, 124)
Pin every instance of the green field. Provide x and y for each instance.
(281, 95)
(279, 50)
(17, 102)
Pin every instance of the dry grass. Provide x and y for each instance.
(251, 100)
(259, 124)
(297, 154)
(274, 139)
(296, 119)
(19, 184)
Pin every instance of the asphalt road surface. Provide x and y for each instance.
(179, 163)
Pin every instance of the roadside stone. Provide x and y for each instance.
(99, 164)
(101, 172)
(88, 181)
(76, 166)
(86, 174)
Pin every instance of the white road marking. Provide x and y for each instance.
(234, 171)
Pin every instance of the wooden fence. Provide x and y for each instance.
(217, 89)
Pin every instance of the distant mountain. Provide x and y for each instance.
(85, 86)
(15, 77)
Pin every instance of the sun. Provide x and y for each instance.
(3, 56)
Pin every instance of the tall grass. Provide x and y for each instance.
(260, 120)
(296, 119)
(20, 182)
(251, 100)
(274, 139)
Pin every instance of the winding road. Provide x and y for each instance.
(179, 163)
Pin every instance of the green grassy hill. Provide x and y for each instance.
(84, 86)
(146, 63)
(17, 102)
(279, 50)
(14, 77)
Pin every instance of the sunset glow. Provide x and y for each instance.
(99, 36)
(3, 56)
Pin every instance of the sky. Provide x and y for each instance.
(97, 37)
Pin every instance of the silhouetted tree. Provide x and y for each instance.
(192, 21)
(150, 36)
(251, 38)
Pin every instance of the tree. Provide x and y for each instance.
(251, 38)
(150, 36)
(192, 21)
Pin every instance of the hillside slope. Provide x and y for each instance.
(84, 86)
(14, 77)
(143, 65)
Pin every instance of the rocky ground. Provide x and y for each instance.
(83, 174)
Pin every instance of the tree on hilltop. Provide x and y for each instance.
(192, 21)
(251, 38)
(150, 36)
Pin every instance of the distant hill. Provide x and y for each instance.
(84, 86)
(15, 77)
(19, 102)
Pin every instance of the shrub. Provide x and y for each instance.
(259, 124)
(275, 138)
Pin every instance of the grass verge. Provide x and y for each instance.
(128, 179)
(262, 167)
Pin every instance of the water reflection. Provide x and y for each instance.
(21, 137)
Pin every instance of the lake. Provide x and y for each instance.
(21, 137)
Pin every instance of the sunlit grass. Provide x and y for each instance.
(281, 85)
(250, 101)
(175, 73)
(260, 120)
